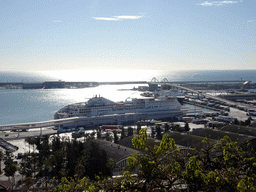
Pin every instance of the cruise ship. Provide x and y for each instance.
(99, 111)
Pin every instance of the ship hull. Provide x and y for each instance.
(95, 112)
(124, 119)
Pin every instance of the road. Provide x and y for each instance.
(8, 135)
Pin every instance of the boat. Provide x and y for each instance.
(102, 111)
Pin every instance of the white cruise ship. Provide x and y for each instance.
(99, 111)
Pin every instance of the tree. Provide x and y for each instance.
(166, 127)
(10, 166)
(186, 127)
(92, 135)
(123, 135)
(193, 175)
(156, 169)
(79, 170)
(108, 137)
(152, 132)
(158, 132)
(221, 166)
(97, 161)
(247, 121)
(138, 127)
(76, 184)
(98, 134)
(130, 131)
(26, 165)
(28, 183)
(111, 164)
(236, 122)
(115, 136)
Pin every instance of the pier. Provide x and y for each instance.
(21, 127)
(83, 84)
(221, 100)
(182, 85)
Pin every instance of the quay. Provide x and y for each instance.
(153, 84)
(228, 100)
(35, 125)
(62, 84)
(84, 84)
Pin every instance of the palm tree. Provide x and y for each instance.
(138, 127)
(111, 164)
(98, 134)
(123, 133)
(166, 127)
(10, 165)
(79, 170)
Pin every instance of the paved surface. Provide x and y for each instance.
(8, 135)
(113, 150)
(236, 113)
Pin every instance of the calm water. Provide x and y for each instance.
(20, 106)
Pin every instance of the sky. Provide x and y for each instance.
(43, 35)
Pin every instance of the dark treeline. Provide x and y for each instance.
(63, 157)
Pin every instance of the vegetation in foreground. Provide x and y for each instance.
(221, 166)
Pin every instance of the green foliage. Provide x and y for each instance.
(221, 166)
(10, 166)
(246, 184)
(26, 165)
(127, 182)
(132, 161)
(111, 164)
(146, 166)
(166, 144)
(140, 141)
(212, 166)
(155, 166)
(76, 184)
(193, 174)
(64, 157)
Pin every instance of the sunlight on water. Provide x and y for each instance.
(68, 96)
(24, 105)
(33, 105)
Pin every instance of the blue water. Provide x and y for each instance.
(21, 106)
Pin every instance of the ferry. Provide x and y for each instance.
(101, 111)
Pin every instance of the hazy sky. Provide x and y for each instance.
(120, 34)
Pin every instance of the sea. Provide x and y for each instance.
(34, 105)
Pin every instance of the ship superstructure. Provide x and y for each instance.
(99, 110)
